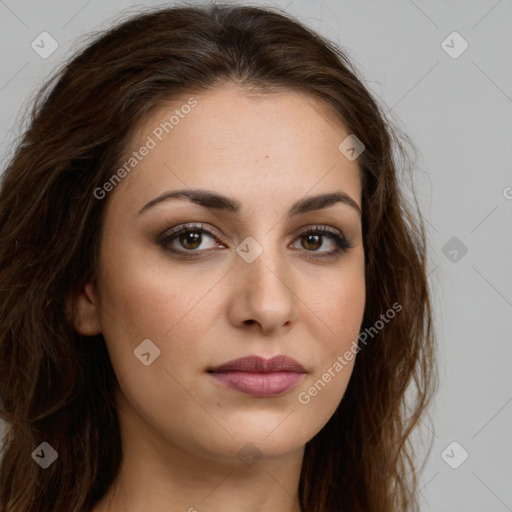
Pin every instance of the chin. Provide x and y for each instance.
(261, 436)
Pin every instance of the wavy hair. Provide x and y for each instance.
(57, 386)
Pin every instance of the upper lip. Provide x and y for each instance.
(259, 364)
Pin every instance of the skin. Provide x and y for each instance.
(181, 430)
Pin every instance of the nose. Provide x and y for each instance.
(263, 293)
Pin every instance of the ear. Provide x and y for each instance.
(84, 311)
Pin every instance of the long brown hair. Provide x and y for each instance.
(57, 386)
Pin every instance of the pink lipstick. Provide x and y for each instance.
(259, 377)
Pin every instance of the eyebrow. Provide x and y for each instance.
(215, 201)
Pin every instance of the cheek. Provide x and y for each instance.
(143, 293)
(144, 297)
(142, 302)
(339, 308)
(337, 315)
(128, 303)
(344, 314)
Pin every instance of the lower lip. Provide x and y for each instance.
(259, 384)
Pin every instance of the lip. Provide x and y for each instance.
(259, 377)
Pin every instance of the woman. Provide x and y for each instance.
(214, 295)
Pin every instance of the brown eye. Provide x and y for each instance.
(188, 239)
(313, 240)
(192, 241)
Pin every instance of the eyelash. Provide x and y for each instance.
(342, 243)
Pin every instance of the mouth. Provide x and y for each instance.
(259, 377)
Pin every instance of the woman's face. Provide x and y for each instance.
(173, 306)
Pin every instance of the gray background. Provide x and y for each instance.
(458, 112)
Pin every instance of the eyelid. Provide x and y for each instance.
(190, 226)
(209, 229)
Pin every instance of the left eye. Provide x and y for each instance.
(191, 238)
(315, 240)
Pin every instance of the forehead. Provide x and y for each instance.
(225, 139)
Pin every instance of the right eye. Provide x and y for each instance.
(190, 238)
